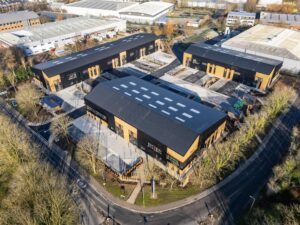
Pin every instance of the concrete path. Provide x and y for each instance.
(139, 185)
(135, 193)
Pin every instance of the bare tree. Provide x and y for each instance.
(12, 79)
(59, 127)
(88, 151)
(3, 80)
(34, 193)
(28, 97)
(250, 6)
(169, 29)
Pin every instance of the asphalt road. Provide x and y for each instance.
(231, 197)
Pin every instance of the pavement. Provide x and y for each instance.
(230, 198)
(116, 152)
(135, 193)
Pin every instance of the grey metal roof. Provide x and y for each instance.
(8, 2)
(17, 16)
(234, 58)
(104, 5)
(242, 13)
(72, 26)
(165, 116)
(149, 9)
(280, 17)
(88, 56)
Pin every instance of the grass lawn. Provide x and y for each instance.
(165, 195)
(196, 37)
(112, 185)
(122, 191)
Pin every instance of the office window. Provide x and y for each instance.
(132, 138)
(85, 72)
(172, 160)
(72, 76)
(119, 130)
(195, 61)
(154, 148)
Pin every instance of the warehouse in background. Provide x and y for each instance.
(66, 71)
(49, 36)
(147, 13)
(212, 4)
(272, 42)
(240, 19)
(157, 113)
(254, 71)
(18, 20)
(10, 5)
(97, 8)
(291, 20)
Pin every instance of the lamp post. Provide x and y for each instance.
(253, 201)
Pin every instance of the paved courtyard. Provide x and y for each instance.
(115, 152)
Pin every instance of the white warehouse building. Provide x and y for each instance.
(244, 19)
(270, 42)
(211, 4)
(98, 7)
(49, 36)
(265, 3)
(147, 13)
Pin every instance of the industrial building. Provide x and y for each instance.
(98, 7)
(167, 126)
(10, 5)
(49, 36)
(240, 19)
(265, 3)
(147, 13)
(254, 71)
(272, 42)
(66, 71)
(211, 4)
(18, 20)
(292, 20)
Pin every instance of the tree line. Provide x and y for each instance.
(31, 191)
(222, 158)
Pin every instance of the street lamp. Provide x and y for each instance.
(253, 201)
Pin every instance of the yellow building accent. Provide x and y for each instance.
(142, 52)
(115, 62)
(97, 119)
(127, 128)
(94, 71)
(215, 135)
(175, 170)
(51, 81)
(219, 71)
(266, 79)
(187, 57)
(123, 56)
(181, 158)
